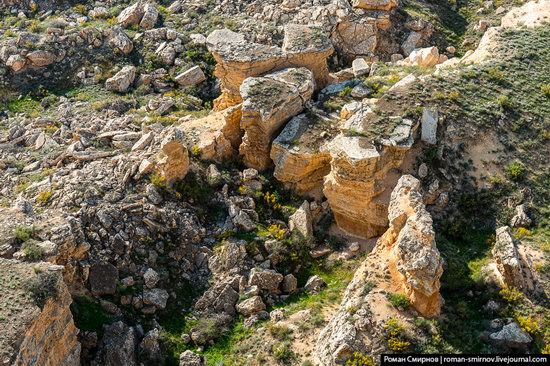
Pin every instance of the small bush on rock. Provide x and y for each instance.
(399, 300)
(44, 287)
(359, 359)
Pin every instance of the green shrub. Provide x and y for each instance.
(395, 335)
(23, 233)
(44, 197)
(495, 75)
(504, 101)
(280, 332)
(515, 171)
(545, 89)
(398, 300)
(282, 352)
(359, 359)
(528, 324)
(512, 295)
(81, 9)
(33, 251)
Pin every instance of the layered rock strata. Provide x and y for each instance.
(303, 46)
(357, 181)
(268, 103)
(300, 155)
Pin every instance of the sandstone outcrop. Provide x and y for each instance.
(410, 241)
(217, 136)
(174, 158)
(300, 155)
(386, 5)
(268, 103)
(405, 259)
(42, 329)
(356, 184)
(303, 46)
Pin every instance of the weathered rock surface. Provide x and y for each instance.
(268, 103)
(511, 338)
(521, 219)
(410, 240)
(103, 278)
(122, 80)
(300, 155)
(424, 57)
(508, 261)
(193, 76)
(238, 60)
(174, 159)
(375, 4)
(40, 333)
(118, 345)
(301, 223)
(355, 186)
(251, 306)
(188, 358)
(217, 136)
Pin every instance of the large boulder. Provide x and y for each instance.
(41, 58)
(521, 219)
(156, 297)
(301, 222)
(188, 358)
(193, 76)
(268, 103)
(251, 306)
(142, 13)
(103, 278)
(150, 16)
(118, 346)
(386, 5)
(300, 155)
(265, 280)
(424, 57)
(356, 38)
(220, 298)
(120, 41)
(507, 259)
(174, 159)
(122, 80)
(511, 338)
(131, 15)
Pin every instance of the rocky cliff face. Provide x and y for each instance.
(42, 330)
